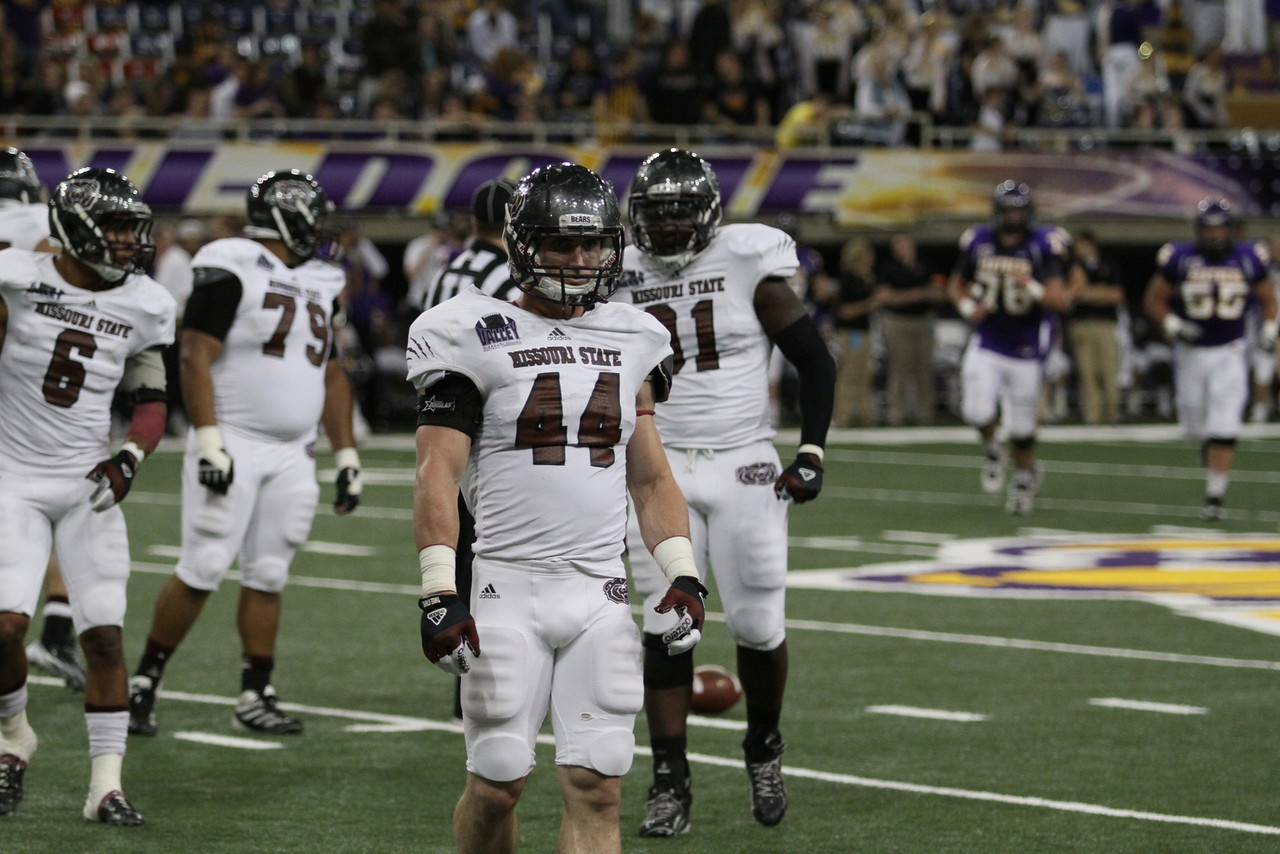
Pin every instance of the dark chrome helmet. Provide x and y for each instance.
(99, 218)
(290, 207)
(1012, 208)
(553, 208)
(1214, 214)
(18, 179)
(674, 205)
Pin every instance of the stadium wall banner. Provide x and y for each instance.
(852, 187)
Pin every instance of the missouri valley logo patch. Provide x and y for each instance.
(615, 590)
(496, 330)
(1233, 579)
(757, 474)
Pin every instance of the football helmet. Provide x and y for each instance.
(674, 206)
(564, 201)
(18, 179)
(99, 218)
(1215, 214)
(1011, 207)
(290, 207)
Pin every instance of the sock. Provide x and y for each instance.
(12, 704)
(104, 777)
(991, 447)
(16, 735)
(670, 765)
(154, 659)
(1215, 484)
(255, 673)
(57, 631)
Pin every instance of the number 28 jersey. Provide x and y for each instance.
(268, 381)
(547, 474)
(1214, 293)
(64, 354)
(720, 395)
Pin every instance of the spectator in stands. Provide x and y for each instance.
(1122, 31)
(881, 104)
(620, 104)
(512, 89)
(1151, 101)
(908, 293)
(734, 99)
(675, 91)
(994, 69)
(1204, 92)
(1245, 27)
(389, 41)
(1096, 295)
(1062, 96)
(577, 87)
(924, 68)
(805, 123)
(711, 32)
(824, 39)
(305, 86)
(759, 39)
(855, 370)
(490, 28)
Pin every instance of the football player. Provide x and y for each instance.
(1200, 296)
(548, 404)
(24, 224)
(78, 326)
(258, 374)
(1008, 283)
(722, 294)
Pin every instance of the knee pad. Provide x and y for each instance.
(500, 757)
(611, 751)
(758, 626)
(1022, 443)
(662, 670)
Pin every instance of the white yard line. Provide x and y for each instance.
(928, 714)
(1147, 706)
(227, 741)
(792, 771)
(822, 626)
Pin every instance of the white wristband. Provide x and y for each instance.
(437, 565)
(966, 306)
(1035, 289)
(138, 453)
(347, 458)
(811, 449)
(1171, 324)
(209, 441)
(675, 556)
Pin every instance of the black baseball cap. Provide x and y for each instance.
(489, 204)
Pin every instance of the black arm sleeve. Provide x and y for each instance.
(453, 401)
(660, 379)
(803, 347)
(214, 299)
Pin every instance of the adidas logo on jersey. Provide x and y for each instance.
(265, 263)
(489, 593)
(556, 335)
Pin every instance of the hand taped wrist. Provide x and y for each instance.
(966, 306)
(675, 556)
(208, 441)
(437, 564)
(346, 458)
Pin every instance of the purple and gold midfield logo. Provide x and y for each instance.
(757, 474)
(496, 330)
(1229, 579)
(615, 590)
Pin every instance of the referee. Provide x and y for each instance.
(484, 262)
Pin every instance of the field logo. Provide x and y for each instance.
(1228, 579)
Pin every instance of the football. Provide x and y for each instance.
(715, 689)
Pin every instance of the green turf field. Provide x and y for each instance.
(987, 714)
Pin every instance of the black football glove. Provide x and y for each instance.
(114, 477)
(801, 481)
(447, 630)
(686, 596)
(349, 489)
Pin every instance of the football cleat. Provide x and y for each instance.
(993, 471)
(1023, 488)
(666, 812)
(142, 705)
(1213, 511)
(259, 713)
(764, 769)
(11, 770)
(60, 661)
(113, 809)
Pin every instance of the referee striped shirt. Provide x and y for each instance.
(482, 264)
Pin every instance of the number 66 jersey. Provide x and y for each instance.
(64, 353)
(546, 478)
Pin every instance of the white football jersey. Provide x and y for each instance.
(720, 392)
(64, 354)
(22, 225)
(268, 381)
(548, 468)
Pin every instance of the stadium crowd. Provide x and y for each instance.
(740, 66)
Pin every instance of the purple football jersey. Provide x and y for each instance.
(1214, 293)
